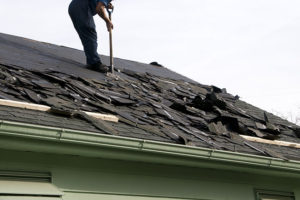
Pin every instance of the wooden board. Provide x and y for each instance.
(37, 107)
(274, 142)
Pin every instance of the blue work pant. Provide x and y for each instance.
(83, 21)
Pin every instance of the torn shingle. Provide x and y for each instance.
(217, 128)
(151, 104)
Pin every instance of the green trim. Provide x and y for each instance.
(23, 137)
(26, 175)
(259, 193)
(128, 194)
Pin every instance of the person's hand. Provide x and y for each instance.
(109, 25)
(110, 6)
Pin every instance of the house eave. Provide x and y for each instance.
(42, 139)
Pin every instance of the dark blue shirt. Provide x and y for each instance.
(93, 4)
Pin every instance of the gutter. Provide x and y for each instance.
(27, 137)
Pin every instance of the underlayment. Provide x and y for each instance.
(151, 101)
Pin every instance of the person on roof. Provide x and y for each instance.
(81, 13)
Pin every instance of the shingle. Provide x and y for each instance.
(152, 102)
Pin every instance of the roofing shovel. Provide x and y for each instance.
(110, 11)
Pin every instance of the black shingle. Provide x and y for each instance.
(151, 102)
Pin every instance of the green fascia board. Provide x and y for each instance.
(42, 139)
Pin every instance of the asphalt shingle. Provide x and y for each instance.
(151, 102)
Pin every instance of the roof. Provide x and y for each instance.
(151, 102)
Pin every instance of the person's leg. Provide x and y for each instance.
(84, 24)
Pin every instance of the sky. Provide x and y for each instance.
(249, 47)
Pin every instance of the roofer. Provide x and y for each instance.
(81, 13)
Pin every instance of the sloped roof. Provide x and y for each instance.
(151, 102)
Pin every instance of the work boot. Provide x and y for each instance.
(98, 67)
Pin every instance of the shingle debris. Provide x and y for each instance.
(182, 112)
(156, 64)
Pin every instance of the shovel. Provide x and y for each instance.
(110, 11)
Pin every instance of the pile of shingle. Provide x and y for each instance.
(186, 113)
